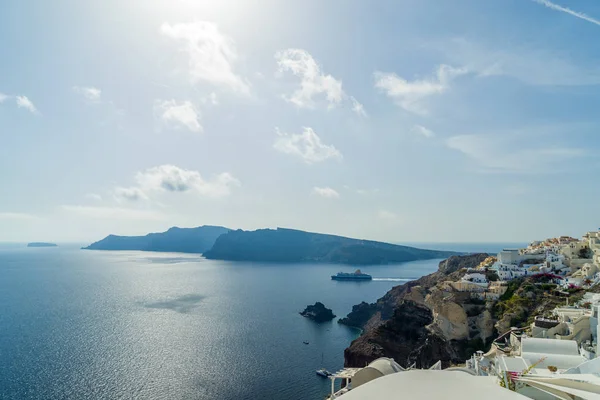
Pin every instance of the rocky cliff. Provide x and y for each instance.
(427, 320)
(423, 321)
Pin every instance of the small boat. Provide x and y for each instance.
(305, 342)
(324, 373)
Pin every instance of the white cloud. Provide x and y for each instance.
(306, 145)
(24, 102)
(91, 93)
(358, 108)
(17, 216)
(118, 213)
(212, 98)
(176, 115)
(421, 130)
(576, 14)
(313, 82)
(129, 194)
(212, 55)
(511, 153)
(411, 95)
(326, 192)
(174, 179)
(3, 97)
(93, 196)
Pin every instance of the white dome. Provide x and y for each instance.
(376, 369)
(385, 365)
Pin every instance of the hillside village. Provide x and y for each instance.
(568, 262)
(529, 317)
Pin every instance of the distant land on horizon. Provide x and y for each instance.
(295, 246)
(41, 244)
(269, 245)
(178, 240)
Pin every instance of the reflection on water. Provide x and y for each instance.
(132, 325)
(183, 304)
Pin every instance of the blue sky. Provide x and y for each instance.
(414, 120)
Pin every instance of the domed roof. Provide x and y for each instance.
(385, 365)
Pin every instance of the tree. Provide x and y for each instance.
(584, 252)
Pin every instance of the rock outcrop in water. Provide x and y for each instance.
(293, 246)
(182, 240)
(318, 313)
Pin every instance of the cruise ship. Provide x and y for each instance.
(355, 276)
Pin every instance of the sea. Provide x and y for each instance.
(80, 324)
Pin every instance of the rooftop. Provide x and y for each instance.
(427, 384)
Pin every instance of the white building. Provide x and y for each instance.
(556, 263)
(477, 278)
(506, 272)
(510, 257)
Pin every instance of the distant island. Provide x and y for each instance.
(294, 246)
(180, 240)
(41, 244)
(269, 245)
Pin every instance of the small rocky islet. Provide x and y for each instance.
(318, 313)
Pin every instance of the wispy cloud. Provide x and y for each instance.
(170, 178)
(510, 153)
(358, 108)
(212, 55)
(24, 102)
(306, 145)
(388, 216)
(421, 130)
(175, 114)
(17, 216)
(3, 97)
(93, 196)
(326, 192)
(313, 82)
(566, 10)
(411, 95)
(89, 92)
(118, 213)
(132, 194)
(533, 66)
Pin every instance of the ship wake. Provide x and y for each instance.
(394, 279)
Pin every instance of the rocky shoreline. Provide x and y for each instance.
(417, 323)
(429, 320)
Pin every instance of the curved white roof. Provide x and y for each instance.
(428, 384)
(385, 365)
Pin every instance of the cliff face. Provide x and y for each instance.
(420, 323)
(288, 245)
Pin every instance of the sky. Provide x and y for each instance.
(401, 121)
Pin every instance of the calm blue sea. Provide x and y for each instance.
(80, 324)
